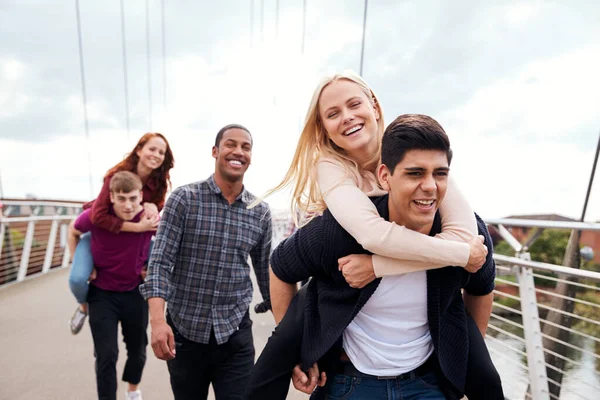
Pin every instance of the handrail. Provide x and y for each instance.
(534, 223)
(37, 203)
(34, 218)
(579, 273)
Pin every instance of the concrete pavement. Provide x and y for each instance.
(40, 359)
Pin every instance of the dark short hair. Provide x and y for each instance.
(125, 182)
(412, 132)
(228, 127)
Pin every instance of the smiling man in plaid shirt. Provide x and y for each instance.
(199, 268)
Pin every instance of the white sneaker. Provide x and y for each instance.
(137, 395)
(77, 321)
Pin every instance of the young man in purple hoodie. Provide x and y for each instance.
(119, 261)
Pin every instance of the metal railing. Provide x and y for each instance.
(545, 324)
(33, 241)
(33, 238)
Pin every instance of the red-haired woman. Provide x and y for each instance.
(151, 159)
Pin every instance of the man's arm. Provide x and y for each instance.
(162, 260)
(478, 294)
(480, 308)
(78, 227)
(162, 338)
(72, 238)
(298, 257)
(282, 294)
(260, 255)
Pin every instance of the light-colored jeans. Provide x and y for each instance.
(81, 268)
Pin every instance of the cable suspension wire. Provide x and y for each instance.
(148, 57)
(303, 24)
(362, 48)
(164, 53)
(125, 79)
(84, 97)
(276, 19)
(251, 23)
(587, 196)
(262, 21)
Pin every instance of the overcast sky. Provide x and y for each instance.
(516, 84)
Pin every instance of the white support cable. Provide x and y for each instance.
(511, 360)
(579, 379)
(503, 268)
(303, 25)
(581, 285)
(573, 331)
(364, 33)
(508, 321)
(501, 343)
(510, 283)
(262, 21)
(148, 58)
(251, 23)
(276, 19)
(164, 51)
(591, 321)
(567, 390)
(560, 386)
(125, 78)
(552, 381)
(511, 335)
(510, 296)
(575, 300)
(567, 359)
(514, 310)
(569, 345)
(552, 395)
(84, 97)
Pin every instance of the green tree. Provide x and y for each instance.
(550, 246)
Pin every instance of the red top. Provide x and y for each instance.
(99, 214)
(118, 258)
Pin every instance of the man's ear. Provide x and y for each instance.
(112, 197)
(215, 152)
(141, 196)
(383, 175)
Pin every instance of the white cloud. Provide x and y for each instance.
(520, 104)
(547, 99)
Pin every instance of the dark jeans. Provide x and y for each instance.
(270, 378)
(350, 384)
(106, 310)
(226, 366)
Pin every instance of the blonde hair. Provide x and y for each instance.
(313, 144)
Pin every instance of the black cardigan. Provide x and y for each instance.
(331, 303)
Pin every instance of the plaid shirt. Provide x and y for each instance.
(199, 263)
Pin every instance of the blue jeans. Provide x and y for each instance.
(82, 267)
(345, 387)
